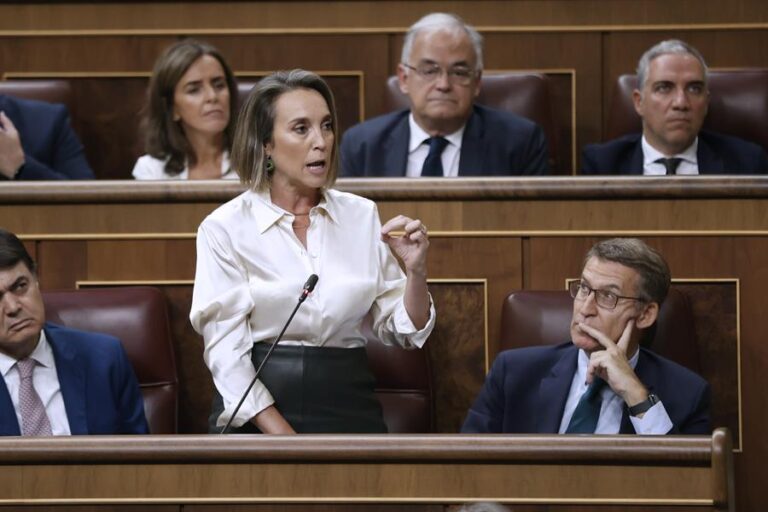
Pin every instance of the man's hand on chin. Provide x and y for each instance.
(612, 364)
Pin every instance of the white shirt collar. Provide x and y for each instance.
(418, 135)
(43, 354)
(651, 154)
(268, 213)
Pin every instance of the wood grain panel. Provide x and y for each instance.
(125, 260)
(457, 350)
(353, 14)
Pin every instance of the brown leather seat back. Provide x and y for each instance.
(403, 385)
(524, 94)
(138, 316)
(738, 106)
(51, 91)
(544, 318)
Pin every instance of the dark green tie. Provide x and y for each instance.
(587, 412)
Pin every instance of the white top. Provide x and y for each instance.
(655, 420)
(418, 151)
(150, 168)
(45, 381)
(688, 166)
(251, 268)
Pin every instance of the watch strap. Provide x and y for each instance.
(644, 405)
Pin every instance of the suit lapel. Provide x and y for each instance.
(553, 393)
(472, 152)
(395, 157)
(72, 381)
(9, 425)
(708, 161)
(637, 160)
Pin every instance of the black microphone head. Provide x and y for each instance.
(311, 282)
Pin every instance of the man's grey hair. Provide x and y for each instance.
(437, 21)
(670, 46)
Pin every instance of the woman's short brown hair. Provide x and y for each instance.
(256, 122)
(163, 137)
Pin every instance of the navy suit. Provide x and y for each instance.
(100, 391)
(716, 154)
(526, 391)
(52, 151)
(494, 143)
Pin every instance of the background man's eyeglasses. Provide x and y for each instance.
(458, 75)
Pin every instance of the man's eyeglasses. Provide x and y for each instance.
(429, 72)
(603, 298)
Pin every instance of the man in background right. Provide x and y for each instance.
(672, 99)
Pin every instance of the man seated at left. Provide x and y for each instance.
(57, 381)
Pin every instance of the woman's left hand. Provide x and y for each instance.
(412, 246)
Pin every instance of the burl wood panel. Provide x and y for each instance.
(457, 351)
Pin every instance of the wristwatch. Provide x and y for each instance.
(644, 405)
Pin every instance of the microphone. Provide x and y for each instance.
(309, 286)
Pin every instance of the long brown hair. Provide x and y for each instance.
(164, 137)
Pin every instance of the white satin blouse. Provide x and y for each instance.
(250, 271)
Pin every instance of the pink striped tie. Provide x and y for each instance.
(34, 421)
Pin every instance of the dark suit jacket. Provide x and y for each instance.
(100, 391)
(51, 148)
(495, 143)
(526, 391)
(717, 154)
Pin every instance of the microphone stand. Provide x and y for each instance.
(308, 287)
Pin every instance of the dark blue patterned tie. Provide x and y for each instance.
(587, 412)
(433, 165)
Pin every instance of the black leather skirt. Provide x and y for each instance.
(316, 389)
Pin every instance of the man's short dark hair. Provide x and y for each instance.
(636, 254)
(13, 251)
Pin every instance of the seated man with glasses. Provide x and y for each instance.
(444, 133)
(601, 381)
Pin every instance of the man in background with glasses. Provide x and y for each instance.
(601, 381)
(444, 133)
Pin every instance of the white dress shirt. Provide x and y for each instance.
(654, 421)
(150, 168)
(688, 166)
(45, 381)
(250, 271)
(418, 151)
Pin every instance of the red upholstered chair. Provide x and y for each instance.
(52, 91)
(138, 316)
(524, 94)
(403, 385)
(544, 317)
(738, 106)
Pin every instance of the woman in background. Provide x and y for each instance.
(255, 252)
(190, 115)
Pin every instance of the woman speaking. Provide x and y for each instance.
(255, 252)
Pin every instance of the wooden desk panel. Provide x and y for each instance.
(593, 470)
